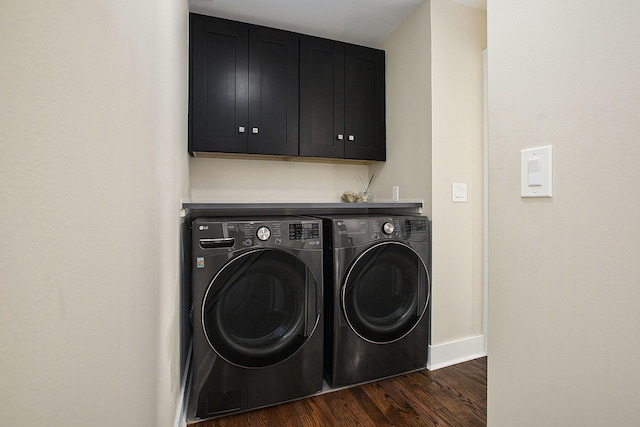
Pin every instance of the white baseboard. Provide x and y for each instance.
(447, 354)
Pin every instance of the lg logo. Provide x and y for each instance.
(203, 227)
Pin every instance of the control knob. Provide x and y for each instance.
(388, 228)
(263, 233)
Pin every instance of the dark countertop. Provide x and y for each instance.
(194, 210)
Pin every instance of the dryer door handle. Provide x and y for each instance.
(217, 243)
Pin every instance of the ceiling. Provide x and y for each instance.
(363, 22)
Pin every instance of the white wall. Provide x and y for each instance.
(564, 272)
(93, 166)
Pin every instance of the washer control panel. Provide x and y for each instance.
(304, 231)
(233, 234)
(385, 228)
(256, 233)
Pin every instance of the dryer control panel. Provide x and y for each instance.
(355, 231)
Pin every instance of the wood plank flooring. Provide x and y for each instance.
(452, 396)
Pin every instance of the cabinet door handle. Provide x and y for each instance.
(340, 137)
(352, 138)
(241, 129)
(254, 130)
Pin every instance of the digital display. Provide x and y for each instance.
(416, 226)
(304, 231)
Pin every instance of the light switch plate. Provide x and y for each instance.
(536, 172)
(459, 192)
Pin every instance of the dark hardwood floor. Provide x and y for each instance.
(452, 396)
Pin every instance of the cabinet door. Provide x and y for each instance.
(218, 85)
(364, 104)
(273, 92)
(321, 98)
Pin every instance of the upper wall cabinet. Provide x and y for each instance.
(342, 100)
(243, 88)
(262, 91)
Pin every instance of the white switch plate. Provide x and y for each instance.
(459, 192)
(536, 172)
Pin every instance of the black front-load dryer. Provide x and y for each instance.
(377, 292)
(257, 313)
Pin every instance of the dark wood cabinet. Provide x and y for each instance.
(262, 91)
(243, 88)
(342, 100)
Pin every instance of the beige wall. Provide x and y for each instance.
(408, 97)
(234, 180)
(92, 165)
(458, 36)
(564, 272)
(434, 138)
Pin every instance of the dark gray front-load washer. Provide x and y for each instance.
(377, 291)
(257, 313)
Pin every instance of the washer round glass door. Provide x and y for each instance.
(385, 292)
(260, 308)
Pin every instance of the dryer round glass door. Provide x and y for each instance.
(385, 292)
(260, 308)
